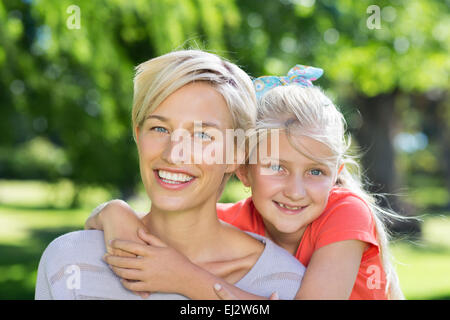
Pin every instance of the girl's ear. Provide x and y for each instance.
(242, 173)
(337, 180)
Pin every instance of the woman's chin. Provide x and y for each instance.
(172, 204)
(168, 206)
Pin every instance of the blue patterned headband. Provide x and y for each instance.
(299, 75)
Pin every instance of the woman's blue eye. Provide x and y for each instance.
(316, 172)
(275, 167)
(202, 135)
(159, 129)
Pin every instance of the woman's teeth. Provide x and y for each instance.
(174, 178)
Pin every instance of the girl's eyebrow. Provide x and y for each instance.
(309, 163)
(316, 163)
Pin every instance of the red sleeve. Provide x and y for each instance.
(349, 219)
(242, 215)
(227, 211)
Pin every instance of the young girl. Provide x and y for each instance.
(308, 199)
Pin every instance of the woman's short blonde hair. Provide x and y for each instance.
(159, 77)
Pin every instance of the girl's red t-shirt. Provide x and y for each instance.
(346, 217)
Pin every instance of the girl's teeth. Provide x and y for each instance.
(287, 207)
(174, 178)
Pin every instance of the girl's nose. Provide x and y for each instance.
(295, 188)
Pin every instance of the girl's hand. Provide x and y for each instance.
(155, 267)
(118, 221)
(225, 294)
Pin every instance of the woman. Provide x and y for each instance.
(172, 94)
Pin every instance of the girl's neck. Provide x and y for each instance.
(288, 241)
(192, 232)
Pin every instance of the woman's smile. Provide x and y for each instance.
(173, 180)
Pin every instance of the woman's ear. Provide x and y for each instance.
(242, 173)
(136, 133)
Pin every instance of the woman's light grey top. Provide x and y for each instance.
(71, 267)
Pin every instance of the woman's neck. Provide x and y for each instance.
(191, 232)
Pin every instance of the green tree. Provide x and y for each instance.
(71, 81)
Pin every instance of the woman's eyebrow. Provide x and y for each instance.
(206, 124)
(195, 123)
(154, 116)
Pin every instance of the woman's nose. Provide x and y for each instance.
(177, 150)
(295, 188)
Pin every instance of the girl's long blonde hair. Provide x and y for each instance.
(309, 112)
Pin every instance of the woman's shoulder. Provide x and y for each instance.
(275, 270)
(69, 246)
(75, 239)
(240, 241)
(273, 252)
(72, 268)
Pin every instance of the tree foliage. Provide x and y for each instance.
(74, 86)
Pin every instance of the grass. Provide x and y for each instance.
(26, 228)
(24, 234)
(423, 266)
(423, 272)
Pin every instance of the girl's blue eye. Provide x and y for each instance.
(316, 172)
(159, 129)
(202, 135)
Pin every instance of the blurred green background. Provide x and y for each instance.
(66, 145)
